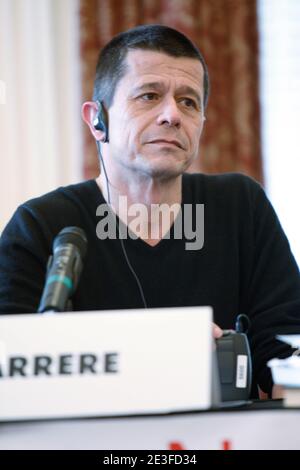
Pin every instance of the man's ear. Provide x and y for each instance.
(89, 113)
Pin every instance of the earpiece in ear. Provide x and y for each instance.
(100, 122)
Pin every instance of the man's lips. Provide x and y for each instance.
(166, 141)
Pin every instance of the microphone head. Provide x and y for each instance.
(74, 235)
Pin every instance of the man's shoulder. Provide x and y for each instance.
(72, 191)
(224, 187)
(71, 205)
(63, 198)
(230, 180)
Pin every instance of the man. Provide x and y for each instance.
(147, 117)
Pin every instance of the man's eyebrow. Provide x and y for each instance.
(149, 85)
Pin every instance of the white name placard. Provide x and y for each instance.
(105, 363)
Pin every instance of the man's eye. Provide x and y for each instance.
(189, 103)
(149, 96)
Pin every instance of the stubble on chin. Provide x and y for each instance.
(162, 170)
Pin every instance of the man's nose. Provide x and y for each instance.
(169, 113)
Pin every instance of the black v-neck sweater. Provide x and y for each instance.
(244, 266)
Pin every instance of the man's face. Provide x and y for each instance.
(156, 119)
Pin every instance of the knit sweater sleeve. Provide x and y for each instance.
(273, 292)
(24, 250)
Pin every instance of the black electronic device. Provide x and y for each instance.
(100, 122)
(234, 363)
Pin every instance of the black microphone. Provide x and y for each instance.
(64, 269)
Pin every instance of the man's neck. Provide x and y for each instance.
(146, 200)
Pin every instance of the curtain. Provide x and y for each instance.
(280, 110)
(40, 127)
(226, 33)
